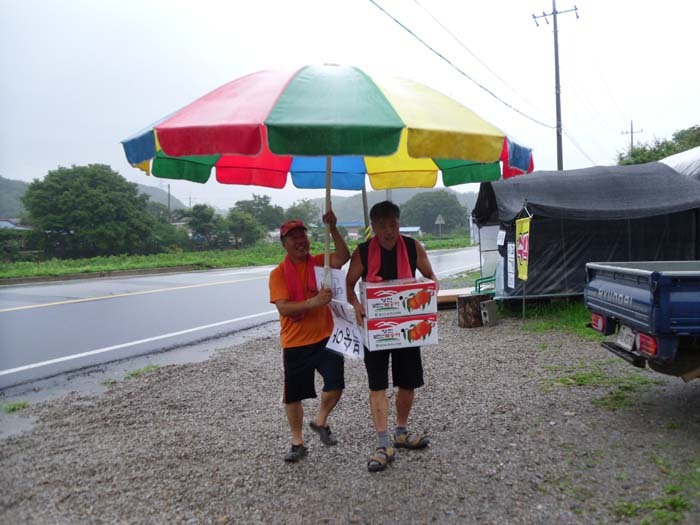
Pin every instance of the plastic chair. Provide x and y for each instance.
(481, 281)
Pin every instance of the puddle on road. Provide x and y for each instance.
(90, 380)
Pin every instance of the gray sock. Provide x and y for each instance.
(400, 430)
(383, 439)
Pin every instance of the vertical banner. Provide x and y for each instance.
(522, 246)
(511, 265)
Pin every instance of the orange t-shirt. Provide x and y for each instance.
(317, 324)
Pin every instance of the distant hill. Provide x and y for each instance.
(161, 196)
(349, 209)
(11, 192)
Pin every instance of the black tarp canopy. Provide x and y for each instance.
(600, 192)
(604, 213)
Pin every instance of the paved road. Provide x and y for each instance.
(56, 327)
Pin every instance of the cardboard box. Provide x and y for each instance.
(398, 297)
(401, 332)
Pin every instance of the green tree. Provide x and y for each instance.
(304, 210)
(158, 211)
(202, 225)
(658, 149)
(16, 245)
(179, 214)
(687, 138)
(221, 238)
(166, 236)
(269, 215)
(85, 211)
(244, 228)
(209, 230)
(422, 210)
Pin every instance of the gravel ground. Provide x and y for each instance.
(203, 443)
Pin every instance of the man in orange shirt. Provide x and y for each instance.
(306, 324)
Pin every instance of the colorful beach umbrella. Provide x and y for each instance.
(259, 128)
(329, 126)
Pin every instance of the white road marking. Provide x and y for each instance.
(124, 345)
(452, 270)
(256, 269)
(126, 294)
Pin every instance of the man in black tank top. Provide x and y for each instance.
(406, 363)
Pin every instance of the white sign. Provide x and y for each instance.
(337, 284)
(501, 237)
(346, 338)
(511, 265)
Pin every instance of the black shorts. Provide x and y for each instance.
(300, 363)
(406, 368)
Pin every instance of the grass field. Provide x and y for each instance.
(261, 254)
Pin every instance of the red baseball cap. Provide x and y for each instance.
(291, 225)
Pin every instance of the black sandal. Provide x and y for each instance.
(411, 440)
(327, 437)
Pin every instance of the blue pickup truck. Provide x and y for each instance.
(653, 308)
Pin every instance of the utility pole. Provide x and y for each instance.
(631, 134)
(168, 203)
(557, 88)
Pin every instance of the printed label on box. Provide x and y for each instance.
(398, 297)
(401, 332)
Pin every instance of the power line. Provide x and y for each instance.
(592, 109)
(455, 67)
(486, 66)
(568, 134)
(578, 146)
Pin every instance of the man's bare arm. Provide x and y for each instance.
(424, 266)
(353, 275)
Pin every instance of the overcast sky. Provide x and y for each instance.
(78, 76)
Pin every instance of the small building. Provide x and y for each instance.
(13, 224)
(355, 229)
(411, 231)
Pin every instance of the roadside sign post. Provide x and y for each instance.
(439, 221)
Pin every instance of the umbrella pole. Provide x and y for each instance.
(366, 212)
(327, 252)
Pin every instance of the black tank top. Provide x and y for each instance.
(388, 268)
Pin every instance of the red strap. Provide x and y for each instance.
(374, 260)
(297, 291)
